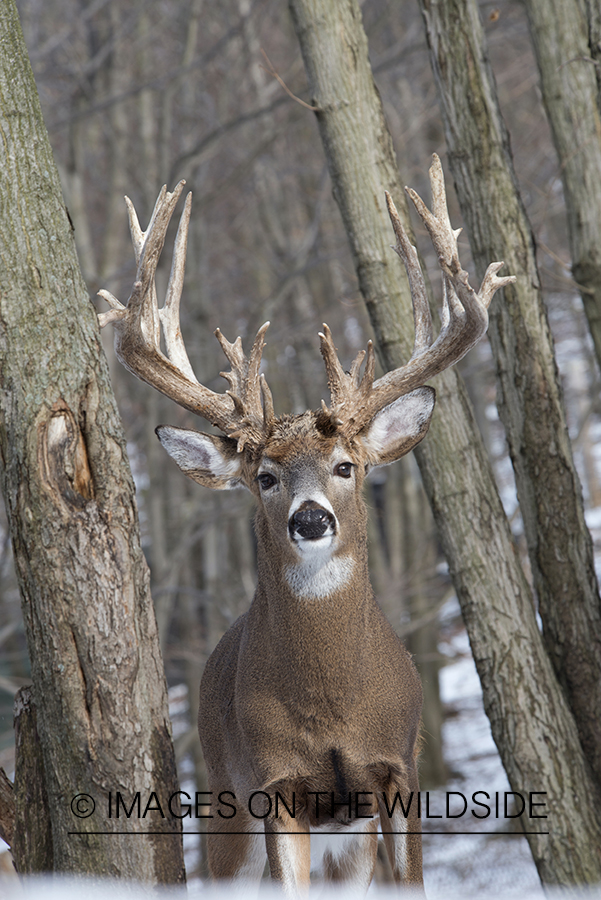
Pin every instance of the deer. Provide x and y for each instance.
(310, 705)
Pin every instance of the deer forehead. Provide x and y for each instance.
(296, 444)
(300, 463)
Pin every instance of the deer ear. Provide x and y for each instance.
(397, 428)
(209, 459)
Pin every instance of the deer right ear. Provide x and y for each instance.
(397, 428)
(209, 459)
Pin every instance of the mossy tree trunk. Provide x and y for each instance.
(98, 680)
(530, 719)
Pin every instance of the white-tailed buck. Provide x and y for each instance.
(310, 705)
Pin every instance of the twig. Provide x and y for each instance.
(587, 59)
(272, 71)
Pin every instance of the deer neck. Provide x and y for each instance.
(329, 596)
(319, 650)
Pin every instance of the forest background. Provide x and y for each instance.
(139, 94)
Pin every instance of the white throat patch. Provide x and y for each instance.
(319, 576)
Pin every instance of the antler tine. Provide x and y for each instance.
(169, 314)
(444, 239)
(348, 394)
(440, 206)
(334, 370)
(336, 377)
(491, 284)
(356, 367)
(148, 246)
(113, 315)
(137, 235)
(248, 388)
(268, 411)
(233, 353)
(370, 369)
(422, 317)
(238, 412)
(254, 365)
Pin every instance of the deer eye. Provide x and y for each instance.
(266, 480)
(344, 470)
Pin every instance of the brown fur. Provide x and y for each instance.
(305, 695)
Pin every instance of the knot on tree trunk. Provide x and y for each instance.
(64, 458)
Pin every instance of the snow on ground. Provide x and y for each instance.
(74, 889)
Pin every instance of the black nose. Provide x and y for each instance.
(310, 523)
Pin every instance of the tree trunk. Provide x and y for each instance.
(98, 680)
(529, 401)
(31, 846)
(530, 720)
(567, 64)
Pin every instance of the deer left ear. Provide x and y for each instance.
(209, 459)
(397, 428)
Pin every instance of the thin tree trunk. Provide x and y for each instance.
(593, 14)
(529, 401)
(568, 56)
(98, 680)
(530, 720)
(419, 552)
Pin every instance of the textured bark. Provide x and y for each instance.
(7, 808)
(567, 51)
(593, 14)
(32, 836)
(529, 398)
(99, 684)
(530, 719)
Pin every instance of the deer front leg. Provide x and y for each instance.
(402, 838)
(235, 851)
(288, 846)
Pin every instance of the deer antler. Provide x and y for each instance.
(239, 412)
(464, 319)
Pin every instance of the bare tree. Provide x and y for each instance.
(567, 53)
(98, 682)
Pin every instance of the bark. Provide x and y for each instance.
(593, 13)
(531, 723)
(568, 64)
(7, 808)
(97, 673)
(32, 835)
(419, 550)
(529, 397)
